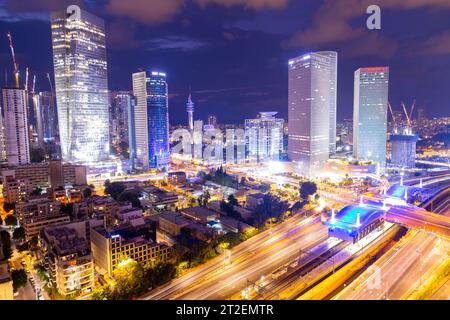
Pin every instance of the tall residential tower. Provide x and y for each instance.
(16, 138)
(79, 58)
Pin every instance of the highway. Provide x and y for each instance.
(401, 270)
(256, 257)
(249, 261)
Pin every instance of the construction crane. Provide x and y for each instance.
(16, 67)
(393, 117)
(50, 82)
(26, 79)
(408, 116)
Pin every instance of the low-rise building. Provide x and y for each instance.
(37, 206)
(6, 283)
(34, 224)
(200, 214)
(49, 174)
(17, 190)
(172, 223)
(156, 198)
(110, 246)
(252, 201)
(68, 260)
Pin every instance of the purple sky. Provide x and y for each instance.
(234, 53)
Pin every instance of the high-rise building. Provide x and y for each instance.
(333, 96)
(403, 150)
(151, 120)
(212, 121)
(17, 143)
(119, 109)
(311, 86)
(264, 137)
(79, 58)
(370, 114)
(190, 112)
(49, 117)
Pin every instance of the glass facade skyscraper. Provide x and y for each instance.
(312, 90)
(264, 137)
(151, 120)
(79, 58)
(370, 114)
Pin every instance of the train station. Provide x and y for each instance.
(354, 222)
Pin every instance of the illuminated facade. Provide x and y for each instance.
(370, 114)
(151, 120)
(190, 112)
(79, 58)
(311, 87)
(264, 137)
(16, 135)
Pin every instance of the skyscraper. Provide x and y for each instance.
(311, 86)
(264, 137)
(16, 139)
(370, 114)
(190, 112)
(119, 109)
(333, 96)
(46, 102)
(151, 120)
(79, 58)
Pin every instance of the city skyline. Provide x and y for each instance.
(239, 93)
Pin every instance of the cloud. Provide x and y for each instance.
(248, 4)
(174, 43)
(332, 25)
(40, 5)
(121, 34)
(439, 44)
(149, 12)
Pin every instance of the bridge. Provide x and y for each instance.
(354, 222)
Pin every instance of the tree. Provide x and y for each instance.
(6, 244)
(204, 198)
(87, 192)
(19, 278)
(232, 200)
(307, 188)
(130, 279)
(131, 196)
(271, 208)
(114, 188)
(19, 233)
(11, 220)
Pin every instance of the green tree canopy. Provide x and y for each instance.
(19, 233)
(19, 278)
(307, 188)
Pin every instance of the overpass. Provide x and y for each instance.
(354, 222)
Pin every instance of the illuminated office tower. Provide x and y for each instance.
(264, 137)
(16, 139)
(79, 58)
(151, 120)
(333, 96)
(49, 117)
(119, 109)
(370, 114)
(310, 82)
(212, 121)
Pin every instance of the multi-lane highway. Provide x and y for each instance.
(249, 261)
(402, 270)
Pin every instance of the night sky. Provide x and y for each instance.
(234, 53)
